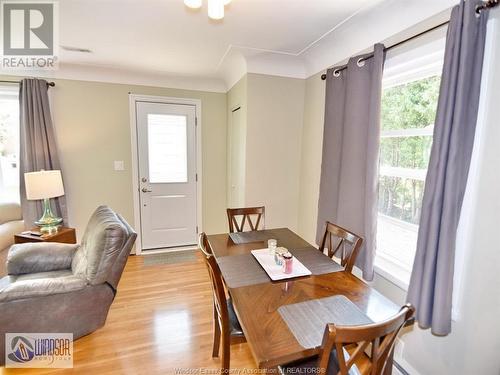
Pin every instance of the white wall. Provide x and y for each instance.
(92, 126)
(473, 346)
(274, 130)
(236, 97)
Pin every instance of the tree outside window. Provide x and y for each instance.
(408, 114)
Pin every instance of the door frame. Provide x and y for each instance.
(133, 99)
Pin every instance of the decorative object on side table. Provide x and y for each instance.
(45, 185)
(63, 235)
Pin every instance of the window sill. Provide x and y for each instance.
(392, 272)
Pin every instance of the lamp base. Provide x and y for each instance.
(48, 223)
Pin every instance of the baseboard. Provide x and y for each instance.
(169, 249)
(401, 367)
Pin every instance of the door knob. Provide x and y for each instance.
(145, 190)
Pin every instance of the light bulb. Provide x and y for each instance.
(193, 3)
(216, 9)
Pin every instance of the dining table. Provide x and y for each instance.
(259, 302)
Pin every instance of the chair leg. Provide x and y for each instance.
(216, 344)
(226, 354)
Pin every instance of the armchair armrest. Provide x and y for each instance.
(39, 257)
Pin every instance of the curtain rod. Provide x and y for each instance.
(485, 5)
(51, 84)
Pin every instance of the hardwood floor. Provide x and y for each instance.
(160, 320)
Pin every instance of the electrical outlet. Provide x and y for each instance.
(119, 165)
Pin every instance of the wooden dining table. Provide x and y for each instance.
(269, 338)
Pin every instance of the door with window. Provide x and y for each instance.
(166, 138)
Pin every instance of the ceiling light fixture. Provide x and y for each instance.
(215, 7)
(193, 3)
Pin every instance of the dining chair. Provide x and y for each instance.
(246, 214)
(340, 240)
(378, 339)
(227, 329)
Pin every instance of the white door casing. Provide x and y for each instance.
(167, 186)
(237, 160)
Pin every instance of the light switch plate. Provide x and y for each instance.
(119, 165)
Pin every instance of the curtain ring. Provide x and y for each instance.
(479, 9)
(336, 73)
(360, 62)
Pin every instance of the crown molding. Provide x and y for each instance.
(110, 74)
(383, 22)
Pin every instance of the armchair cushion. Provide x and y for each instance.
(39, 284)
(10, 212)
(39, 257)
(7, 232)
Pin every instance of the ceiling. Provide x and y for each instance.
(164, 37)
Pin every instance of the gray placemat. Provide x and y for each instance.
(284, 236)
(244, 270)
(240, 238)
(241, 270)
(307, 320)
(315, 261)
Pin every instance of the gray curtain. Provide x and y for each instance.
(38, 145)
(349, 169)
(431, 284)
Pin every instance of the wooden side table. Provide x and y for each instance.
(63, 235)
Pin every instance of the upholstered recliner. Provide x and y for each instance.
(54, 287)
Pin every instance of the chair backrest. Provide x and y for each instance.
(219, 293)
(105, 246)
(246, 213)
(341, 243)
(378, 338)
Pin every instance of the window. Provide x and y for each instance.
(167, 141)
(9, 144)
(409, 102)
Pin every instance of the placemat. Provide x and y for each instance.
(241, 270)
(240, 238)
(284, 236)
(307, 320)
(244, 270)
(317, 262)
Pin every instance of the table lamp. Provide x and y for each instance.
(45, 185)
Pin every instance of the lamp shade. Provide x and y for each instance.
(43, 184)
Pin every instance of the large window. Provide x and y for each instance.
(409, 102)
(9, 144)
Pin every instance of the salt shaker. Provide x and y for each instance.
(287, 263)
(278, 255)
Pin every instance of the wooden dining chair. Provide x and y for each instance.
(246, 213)
(227, 329)
(378, 339)
(341, 243)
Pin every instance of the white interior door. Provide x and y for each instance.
(237, 160)
(166, 139)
